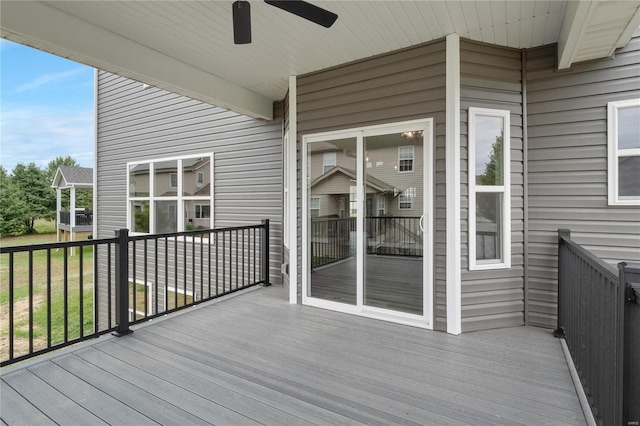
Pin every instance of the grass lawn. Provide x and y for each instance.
(48, 269)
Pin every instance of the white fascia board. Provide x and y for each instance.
(627, 33)
(293, 190)
(574, 25)
(454, 261)
(47, 28)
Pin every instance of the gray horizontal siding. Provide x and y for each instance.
(491, 78)
(136, 124)
(568, 166)
(404, 85)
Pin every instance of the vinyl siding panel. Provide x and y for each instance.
(491, 77)
(135, 124)
(568, 166)
(404, 85)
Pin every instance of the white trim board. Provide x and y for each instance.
(454, 257)
(293, 190)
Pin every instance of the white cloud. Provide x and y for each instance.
(48, 78)
(38, 135)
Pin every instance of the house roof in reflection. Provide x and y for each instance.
(372, 182)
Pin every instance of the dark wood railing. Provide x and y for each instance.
(84, 218)
(51, 300)
(599, 317)
(333, 239)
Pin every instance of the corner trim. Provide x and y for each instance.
(454, 261)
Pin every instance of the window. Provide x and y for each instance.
(405, 159)
(159, 189)
(200, 180)
(353, 201)
(489, 189)
(405, 199)
(623, 138)
(328, 161)
(314, 206)
(382, 205)
(203, 211)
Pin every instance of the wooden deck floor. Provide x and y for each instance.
(256, 359)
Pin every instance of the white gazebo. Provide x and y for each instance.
(68, 223)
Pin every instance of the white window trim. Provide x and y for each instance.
(614, 152)
(171, 180)
(413, 158)
(179, 198)
(504, 189)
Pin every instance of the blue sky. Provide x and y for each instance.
(46, 107)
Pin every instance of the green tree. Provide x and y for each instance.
(13, 208)
(35, 190)
(494, 173)
(487, 206)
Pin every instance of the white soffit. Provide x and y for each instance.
(187, 46)
(593, 29)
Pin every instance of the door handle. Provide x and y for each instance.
(420, 223)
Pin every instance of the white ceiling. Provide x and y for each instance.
(187, 46)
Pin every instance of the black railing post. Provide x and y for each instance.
(122, 282)
(562, 233)
(265, 253)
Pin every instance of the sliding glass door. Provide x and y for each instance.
(368, 223)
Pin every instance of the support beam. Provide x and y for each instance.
(574, 26)
(454, 261)
(293, 190)
(48, 28)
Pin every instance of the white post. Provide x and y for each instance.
(58, 208)
(72, 214)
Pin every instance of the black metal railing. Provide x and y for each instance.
(84, 218)
(599, 317)
(333, 239)
(394, 236)
(50, 299)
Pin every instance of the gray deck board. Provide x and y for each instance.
(255, 358)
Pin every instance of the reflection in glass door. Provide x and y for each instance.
(394, 236)
(331, 220)
(367, 240)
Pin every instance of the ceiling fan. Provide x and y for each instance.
(308, 11)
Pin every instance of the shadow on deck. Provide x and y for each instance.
(256, 359)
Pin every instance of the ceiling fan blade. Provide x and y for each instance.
(241, 22)
(307, 11)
